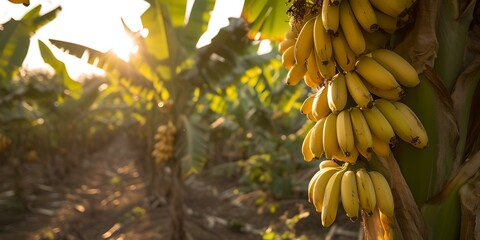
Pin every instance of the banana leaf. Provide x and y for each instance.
(268, 18)
(192, 145)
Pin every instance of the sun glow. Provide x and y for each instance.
(124, 47)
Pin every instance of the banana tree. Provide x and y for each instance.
(433, 188)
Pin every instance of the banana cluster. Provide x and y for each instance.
(4, 142)
(164, 146)
(357, 189)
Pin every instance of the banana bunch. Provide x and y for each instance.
(357, 189)
(164, 146)
(4, 142)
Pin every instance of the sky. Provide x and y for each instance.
(97, 24)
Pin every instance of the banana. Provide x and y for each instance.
(403, 71)
(335, 2)
(366, 191)
(346, 139)
(337, 93)
(394, 8)
(415, 123)
(304, 44)
(386, 22)
(380, 148)
(292, 33)
(375, 74)
(375, 40)
(320, 107)
(309, 82)
(351, 29)
(349, 194)
(295, 74)
(331, 198)
(306, 151)
(330, 17)
(358, 91)
(383, 192)
(363, 11)
(363, 136)
(401, 126)
(25, 3)
(322, 41)
(311, 183)
(316, 139)
(379, 125)
(285, 44)
(342, 52)
(327, 163)
(327, 70)
(288, 59)
(330, 141)
(348, 159)
(306, 107)
(391, 94)
(311, 117)
(319, 186)
(312, 69)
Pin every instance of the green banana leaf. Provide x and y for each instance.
(268, 18)
(192, 145)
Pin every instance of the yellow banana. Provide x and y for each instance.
(304, 44)
(383, 192)
(331, 198)
(319, 186)
(349, 194)
(335, 2)
(306, 151)
(25, 3)
(401, 126)
(316, 139)
(415, 123)
(380, 148)
(292, 33)
(322, 41)
(320, 107)
(337, 93)
(363, 11)
(346, 139)
(366, 191)
(363, 136)
(311, 117)
(327, 70)
(342, 52)
(393, 8)
(288, 59)
(306, 107)
(330, 141)
(390, 94)
(403, 71)
(330, 17)
(379, 125)
(327, 163)
(285, 44)
(351, 28)
(312, 69)
(375, 74)
(386, 22)
(348, 159)
(309, 82)
(295, 74)
(358, 91)
(375, 40)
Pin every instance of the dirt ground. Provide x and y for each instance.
(105, 198)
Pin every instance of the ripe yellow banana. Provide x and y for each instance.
(292, 33)
(312, 69)
(306, 151)
(403, 71)
(306, 107)
(346, 139)
(348, 159)
(327, 70)
(375, 74)
(309, 82)
(366, 191)
(320, 107)
(25, 3)
(311, 183)
(319, 186)
(380, 148)
(337, 94)
(394, 8)
(322, 41)
(342, 52)
(349, 194)
(363, 11)
(415, 123)
(330, 141)
(327, 163)
(383, 192)
(379, 125)
(331, 198)
(390, 94)
(311, 117)
(316, 139)
(335, 2)
(295, 74)
(304, 44)
(386, 22)
(351, 28)
(401, 126)
(285, 44)
(358, 91)
(288, 59)
(330, 17)
(363, 136)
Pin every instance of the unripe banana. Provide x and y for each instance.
(313, 71)
(366, 191)
(383, 192)
(380, 148)
(331, 199)
(306, 151)
(327, 163)
(401, 126)
(393, 8)
(320, 107)
(349, 194)
(295, 74)
(346, 139)
(330, 141)
(337, 94)
(316, 139)
(306, 107)
(415, 123)
(320, 185)
(330, 17)
(375, 74)
(364, 14)
(358, 91)
(363, 136)
(322, 41)
(342, 52)
(304, 44)
(390, 94)
(348, 159)
(285, 44)
(288, 59)
(351, 28)
(327, 70)
(403, 71)
(379, 125)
